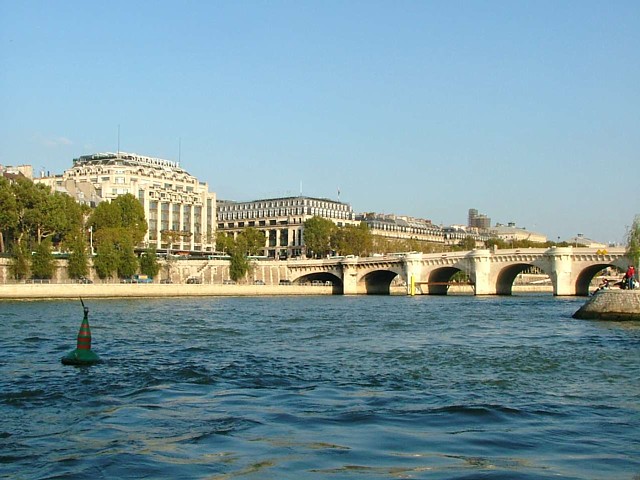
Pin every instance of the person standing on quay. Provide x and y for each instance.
(631, 273)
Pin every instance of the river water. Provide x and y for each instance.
(456, 387)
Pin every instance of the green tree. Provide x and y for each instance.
(8, 212)
(77, 266)
(239, 265)
(106, 260)
(42, 261)
(45, 213)
(250, 241)
(467, 243)
(633, 242)
(19, 266)
(317, 235)
(352, 240)
(120, 224)
(127, 260)
(124, 213)
(224, 242)
(149, 262)
(31, 212)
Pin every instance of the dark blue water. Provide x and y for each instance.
(321, 387)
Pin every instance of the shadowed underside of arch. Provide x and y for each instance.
(586, 275)
(378, 282)
(507, 276)
(439, 279)
(323, 277)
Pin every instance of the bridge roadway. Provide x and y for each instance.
(492, 272)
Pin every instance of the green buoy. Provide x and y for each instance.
(82, 355)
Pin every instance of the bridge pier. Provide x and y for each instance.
(349, 276)
(561, 270)
(412, 270)
(481, 272)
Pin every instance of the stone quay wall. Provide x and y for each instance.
(612, 304)
(149, 290)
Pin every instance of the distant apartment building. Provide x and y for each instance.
(510, 233)
(11, 172)
(281, 220)
(174, 201)
(403, 227)
(478, 220)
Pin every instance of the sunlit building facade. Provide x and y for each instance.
(281, 220)
(176, 205)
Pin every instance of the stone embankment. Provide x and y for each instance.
(43, 291)
(611, 304)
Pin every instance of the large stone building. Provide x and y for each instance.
(174, 201)
(281, 220)
(403, 227)
(510, 233)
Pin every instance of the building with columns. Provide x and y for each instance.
(281, 220)
(174, 201)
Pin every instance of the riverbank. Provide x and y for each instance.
(116, 290)
(26, 291)
(611, 304)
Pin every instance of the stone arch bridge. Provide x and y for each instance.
(492, 272)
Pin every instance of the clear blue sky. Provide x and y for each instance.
(528, 111)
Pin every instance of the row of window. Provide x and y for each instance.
(282, 212)
(295, 202)
(404, 228)
(145, 174)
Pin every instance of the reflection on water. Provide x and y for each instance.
(327, 387)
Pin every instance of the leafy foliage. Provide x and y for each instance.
(633, 242)
(224, 242)
(149, 263)
(250, 241)
(127, 260)
(20, 264)
(77, 266)
(31, 212)
(8, 212)
(239, 265)
(42, 263)
(119, 225)
(317, 236)
(352, 240)
(106, 260)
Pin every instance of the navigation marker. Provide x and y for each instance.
(82, 355)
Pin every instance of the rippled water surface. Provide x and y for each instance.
(320, 387)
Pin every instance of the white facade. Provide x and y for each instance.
(173, 200)
(281, 220)
(512, 233)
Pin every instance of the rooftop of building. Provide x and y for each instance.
(278, 199)
(400, 220)
(131, 159)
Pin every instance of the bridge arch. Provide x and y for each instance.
(438, 282)
(378, 282)
(585, 276)
(322, 277)
(507, 276)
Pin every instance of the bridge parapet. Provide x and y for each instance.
(491, 271)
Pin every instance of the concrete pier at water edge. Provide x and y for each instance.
(611, 304)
